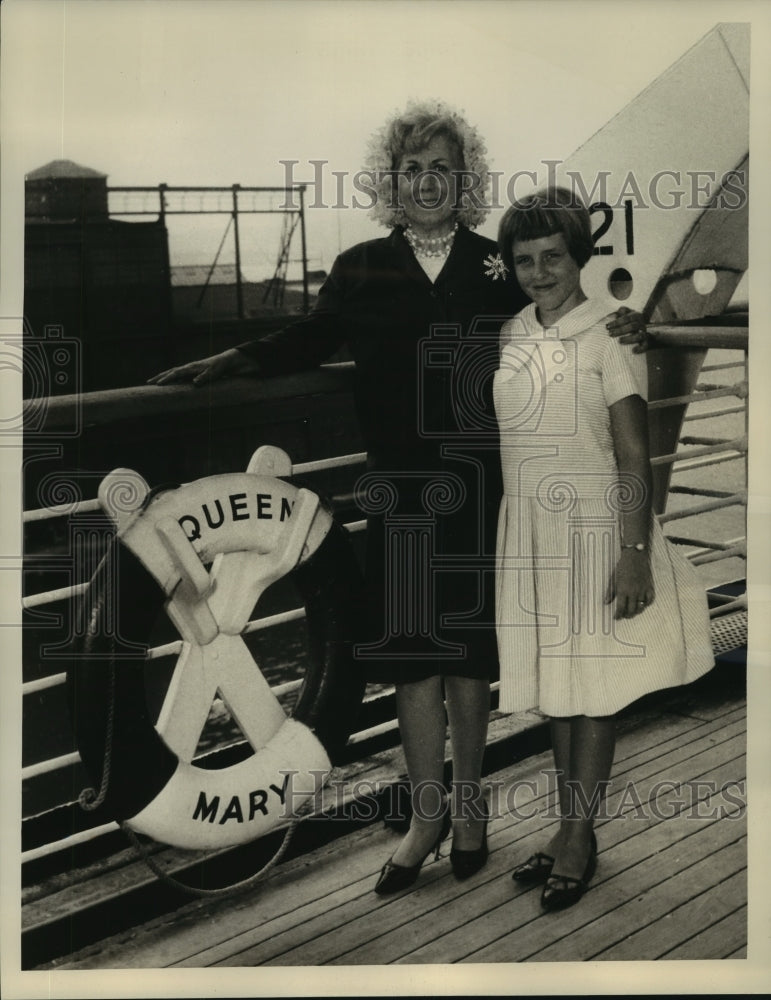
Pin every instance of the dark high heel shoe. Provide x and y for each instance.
(468, 863)
(558, 897)
(535, 870)
(394, 878)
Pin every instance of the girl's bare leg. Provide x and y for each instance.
(592, 745)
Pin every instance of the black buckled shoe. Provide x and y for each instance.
(562, 891)
(534, 871)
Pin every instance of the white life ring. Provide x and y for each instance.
(253, 529)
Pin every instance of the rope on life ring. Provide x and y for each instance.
(253, 528)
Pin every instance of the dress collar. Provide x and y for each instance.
(528, 340)
(582, 317)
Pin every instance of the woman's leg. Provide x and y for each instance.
(420, 710)
(592, 745)
(468, 710)
(561, 730)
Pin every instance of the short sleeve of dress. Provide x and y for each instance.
(624, 373)
(508, 331)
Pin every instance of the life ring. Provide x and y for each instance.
(252, 528)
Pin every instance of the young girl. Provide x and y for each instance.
(594, 608)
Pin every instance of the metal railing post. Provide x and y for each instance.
(239, 289)
(304, 249)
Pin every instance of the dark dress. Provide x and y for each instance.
(425, 358)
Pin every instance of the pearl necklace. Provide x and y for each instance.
(431, 246)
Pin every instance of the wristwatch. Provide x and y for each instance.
(638, 546)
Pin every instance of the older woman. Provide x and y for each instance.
(420, 311)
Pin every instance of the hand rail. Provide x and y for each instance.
(105, 407)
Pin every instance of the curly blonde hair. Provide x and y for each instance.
(410, 130)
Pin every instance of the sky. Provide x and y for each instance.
(216, 92)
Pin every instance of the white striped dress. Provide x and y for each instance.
(560, 648)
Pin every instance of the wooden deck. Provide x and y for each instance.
(670, 884)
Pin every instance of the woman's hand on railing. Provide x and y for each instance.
(630, 328)
(230, 362)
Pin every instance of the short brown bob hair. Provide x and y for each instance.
(544, 213)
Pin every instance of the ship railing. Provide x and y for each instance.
(692, 452)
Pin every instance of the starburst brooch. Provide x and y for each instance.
(495, 268)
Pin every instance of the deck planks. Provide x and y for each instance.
(517, 929)
(726, 938)
(671, 878)
(645, 900)
(675, 927)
